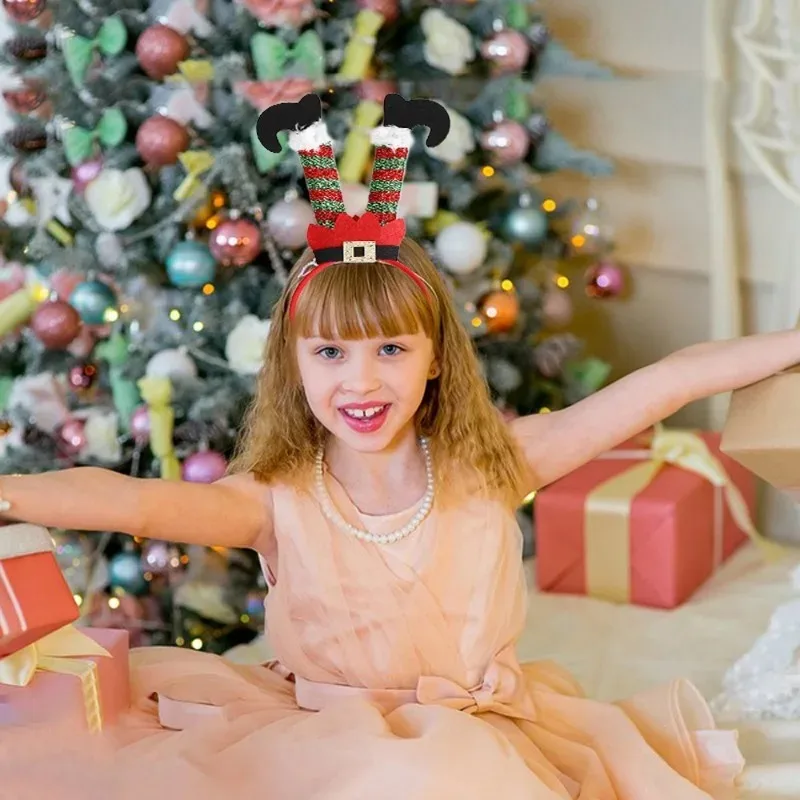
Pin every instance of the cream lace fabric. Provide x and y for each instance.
(764, 683)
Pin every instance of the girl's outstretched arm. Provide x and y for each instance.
(557, 443)
(233, 512)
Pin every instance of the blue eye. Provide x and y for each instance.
(328, 353)
(392, 349)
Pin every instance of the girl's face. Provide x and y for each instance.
(366, 391)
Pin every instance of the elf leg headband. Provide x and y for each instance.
(338, 237)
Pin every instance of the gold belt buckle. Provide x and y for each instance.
(358, 252)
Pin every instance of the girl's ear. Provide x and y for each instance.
(434, 371)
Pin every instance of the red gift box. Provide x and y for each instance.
(646, 523)
(75, 678)
(35, 598)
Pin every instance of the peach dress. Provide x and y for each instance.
(397, 679)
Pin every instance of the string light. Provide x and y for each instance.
(180, 641)
(197, 644)
(78, 599)
(487, 171)
(245, 618)
(562, 281)
(209, 288)
(198, 326)
(477, 322)
(174, 315)
(110, 315)
(544, 410)
(549, 205)
(578, 241)
(113, 602)
(507, 285)
(529, 498)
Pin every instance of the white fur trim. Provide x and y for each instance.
(393, 136)
(311, 138)
(24, 539)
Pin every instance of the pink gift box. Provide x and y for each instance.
(65, 699)
(680, 528)
(35, 598)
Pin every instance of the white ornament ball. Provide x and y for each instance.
(172, 364)
(288, 221)
(356, 197)
(461, 247)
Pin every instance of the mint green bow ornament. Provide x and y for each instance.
(273, 58)
(79, 142)
(124, 392)
(79, 51)
(265, 160)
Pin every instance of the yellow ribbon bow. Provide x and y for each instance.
(195, 162)
(196, 70)
(65, 652)
(357, 145)
(607, 525)
(156, 391)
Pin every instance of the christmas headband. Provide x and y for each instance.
(338, 237)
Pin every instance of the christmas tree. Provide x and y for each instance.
(146, 235)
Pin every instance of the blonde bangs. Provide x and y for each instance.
(364, 301)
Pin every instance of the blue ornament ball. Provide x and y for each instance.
(93, 300)
(190, 265)
(125, 571)
(526, 225)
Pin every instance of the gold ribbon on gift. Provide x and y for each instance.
(358, 144)
(195, 162)
(65, 652)
(607, 534)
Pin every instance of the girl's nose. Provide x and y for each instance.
(362, 376)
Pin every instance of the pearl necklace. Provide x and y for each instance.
(377, 538)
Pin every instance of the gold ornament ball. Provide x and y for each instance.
(500, 309)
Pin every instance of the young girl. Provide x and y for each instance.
(378, 484)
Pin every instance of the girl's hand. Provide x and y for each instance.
(557, 443)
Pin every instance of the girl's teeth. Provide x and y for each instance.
(360, 413)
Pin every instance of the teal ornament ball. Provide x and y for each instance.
(190, 265)
(93, 300)
(125, 572)
(526, 225)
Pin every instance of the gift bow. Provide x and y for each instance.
(65, 652)
(79, 51)
(607, 535)
(273, 58)
(195, 162)
(444, 692)
(79, 142)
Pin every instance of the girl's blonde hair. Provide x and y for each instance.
(470, 443)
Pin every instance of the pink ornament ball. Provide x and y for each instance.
(508, 51)
(388, 9)
(235, 242)
(557, 309)
(140, 425)
(73, 436)
(605, 280)
(83, 174)
(508, 142)
(206, 466)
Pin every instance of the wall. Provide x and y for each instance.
(650, 121)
